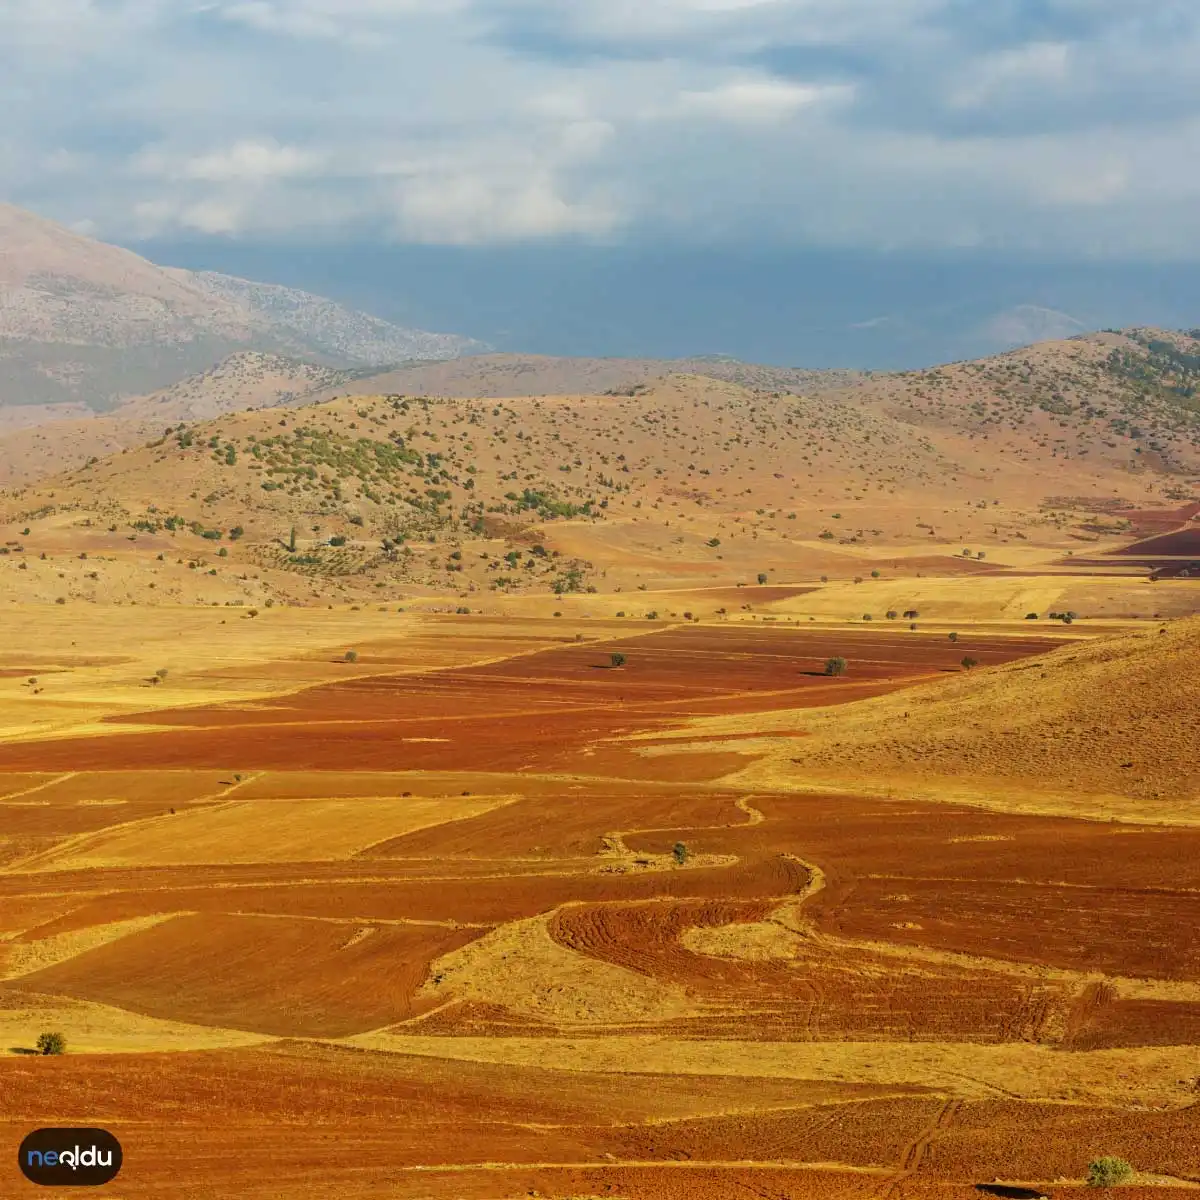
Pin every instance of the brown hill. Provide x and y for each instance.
(688, 480)
(1130, 399)
(41, 440)
(240, 383)
(517, 375)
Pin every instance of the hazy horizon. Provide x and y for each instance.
(804, 308)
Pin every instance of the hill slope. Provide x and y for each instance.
(81, 321)
(1079, 729)
(687, 480)
(1116, 716)
(498, 376)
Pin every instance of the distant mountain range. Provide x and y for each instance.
(82, 322)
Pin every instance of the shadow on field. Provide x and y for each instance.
(1010, 1191)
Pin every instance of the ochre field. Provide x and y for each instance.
(481, 915)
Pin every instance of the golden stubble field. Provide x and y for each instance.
(481, 914)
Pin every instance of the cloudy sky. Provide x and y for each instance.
(878, 123)
(1068, 128)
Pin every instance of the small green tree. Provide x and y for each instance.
(1108, 1171)
(835, 666)
(51, 1043)
(351, 656)
(292, 541)
(617, 660)
(953, 637)
(762, 577)
(968, 662)
(680, 853)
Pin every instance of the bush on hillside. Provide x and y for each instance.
(51, 1043)
(1108, 1171)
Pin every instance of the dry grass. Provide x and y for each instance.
(1159, 1076)
(521, 968)
(264, 831)
(102, 1029)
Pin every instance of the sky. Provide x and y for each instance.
(495, 136)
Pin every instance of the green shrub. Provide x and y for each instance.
(617, 660)
(680, 853)
(51, 1043)
(1108, 1171)
(351, 656)
(835, 666)
(968, 662)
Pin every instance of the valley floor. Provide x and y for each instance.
(479, 912)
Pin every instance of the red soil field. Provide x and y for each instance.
(1149, 521)
(1122, 932)
(532, 713)
(288, 978)
(1184, 543)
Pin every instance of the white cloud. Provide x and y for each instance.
(249, 161)
(758, 101)
(855, 122)
(464, 208)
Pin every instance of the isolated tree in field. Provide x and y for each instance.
(351, 656)
(762, 577)
(51, 1043)
(680, 853)
(835, 666)
(968, 662)
(1108, 1171)
(292, 540)
(617, 660)
(953, 637)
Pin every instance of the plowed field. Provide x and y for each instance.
(474, 932)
